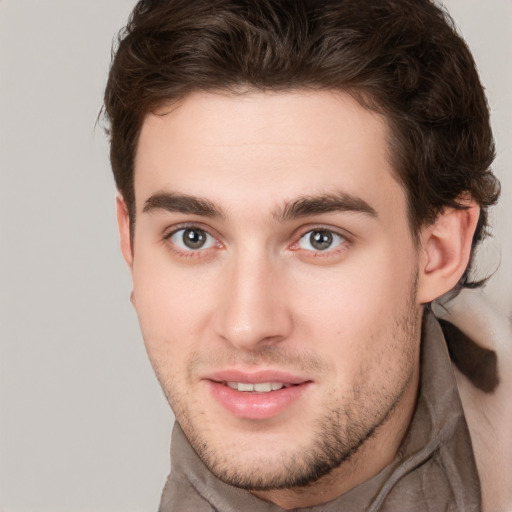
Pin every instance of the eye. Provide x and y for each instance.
(192, 239)
(320, 240)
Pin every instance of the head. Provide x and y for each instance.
(403, 60)
(291, 178)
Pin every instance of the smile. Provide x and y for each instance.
(256, 396)
(260, 387)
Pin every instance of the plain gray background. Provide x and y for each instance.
(83, 423)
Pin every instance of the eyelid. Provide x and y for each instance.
(171, 230)
(335, 240)
(176, 228)
(304, 230)
(178, 239)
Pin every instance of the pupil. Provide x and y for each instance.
(194, 238)
(321, 240)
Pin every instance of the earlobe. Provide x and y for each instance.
(123, 222)
(446, 249)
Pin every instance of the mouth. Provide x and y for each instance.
(257, 396)
(259, 387)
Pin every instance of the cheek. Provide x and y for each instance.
(367, 289)
(171, 303)
(355, 308)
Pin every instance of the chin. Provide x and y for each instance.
(263, 461)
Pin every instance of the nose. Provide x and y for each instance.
(253, 310)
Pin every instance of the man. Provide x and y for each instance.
(298, 181)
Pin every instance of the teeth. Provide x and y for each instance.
(263, 387)
(260, 387)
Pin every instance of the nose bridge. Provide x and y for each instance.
(253, 311)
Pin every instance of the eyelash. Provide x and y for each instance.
(201, 253)
(344, 244)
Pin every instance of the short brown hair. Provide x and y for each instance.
(401, 58)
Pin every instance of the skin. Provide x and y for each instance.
(258, 296)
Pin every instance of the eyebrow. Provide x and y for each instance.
(181, 203)
(328, 203)
(301, 207)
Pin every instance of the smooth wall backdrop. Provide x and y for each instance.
(83, 424)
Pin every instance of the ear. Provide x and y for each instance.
(123, 221)
(446, 250)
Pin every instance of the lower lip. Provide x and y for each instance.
(256, 406)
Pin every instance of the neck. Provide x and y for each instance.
(378, 451)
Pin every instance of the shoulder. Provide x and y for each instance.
(483, 369)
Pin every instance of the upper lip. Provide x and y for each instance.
(255, 376)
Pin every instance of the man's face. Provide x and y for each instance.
(274, 279)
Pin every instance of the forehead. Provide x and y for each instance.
(266, 148)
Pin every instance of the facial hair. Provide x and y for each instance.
(337, 435)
